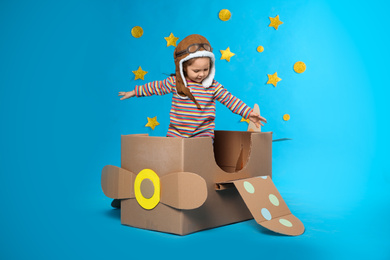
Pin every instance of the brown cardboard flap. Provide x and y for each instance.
(117, 183)
(232, 150)
(267, 205)
(251, 126)
(183, 190)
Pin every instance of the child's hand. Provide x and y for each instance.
(126, 94)
(257, 119)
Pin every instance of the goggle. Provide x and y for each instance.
(195, 47)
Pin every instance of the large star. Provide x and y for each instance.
(152, 122)
(139, 74)
(273, 79)
(275, 22)
(171, 40)
(227, 54)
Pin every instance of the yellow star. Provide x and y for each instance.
(227, 54)
(273, 79)
(171, 40)
(152, 122)
(275, 22)
(139, 74)
(244, 120)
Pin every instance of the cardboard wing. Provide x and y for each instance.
(266, 204)
(251, 126)
(180, 190)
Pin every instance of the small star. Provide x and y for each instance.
(171, 40)
(152, 122)
(273, 79)
(139, 74)
(227, 54)
(244, 120)
(275, 22)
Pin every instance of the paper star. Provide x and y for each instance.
(273, 79)
(171, 40)
(227, 54)
(275, 22)
(152, 122)
(244, 120)
(139, 74)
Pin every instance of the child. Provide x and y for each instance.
(194, 91)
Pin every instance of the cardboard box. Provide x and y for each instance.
(184, 185)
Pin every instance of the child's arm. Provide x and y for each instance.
(237, 106)
(126, 95)
(257, 119)
(152, 88)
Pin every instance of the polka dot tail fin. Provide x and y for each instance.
(267, 205)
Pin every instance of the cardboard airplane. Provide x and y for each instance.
(184, 185)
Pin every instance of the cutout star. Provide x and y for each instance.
(139, 74)
(275, 22)
(244, 120)
(227, 54)
(171, 40)
(152, 122)
(273, 79)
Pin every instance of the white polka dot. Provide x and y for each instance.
(264, 177)
(274, 200)
(285, 222)
(266, 214)
(249, 187)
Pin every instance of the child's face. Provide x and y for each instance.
(198, 70)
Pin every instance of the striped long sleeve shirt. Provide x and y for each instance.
(186, 120)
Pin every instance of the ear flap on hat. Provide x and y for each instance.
(182, 89)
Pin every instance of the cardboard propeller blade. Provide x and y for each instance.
(117, 183)
(180, 190)
(183, 190)
(267, 205)
(251, 126)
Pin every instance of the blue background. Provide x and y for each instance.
(63, 63)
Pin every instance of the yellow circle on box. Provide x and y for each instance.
(286, 117)
(225, 15)
(137, 31)
(260, 49)
(147, 203)
(299, 67)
